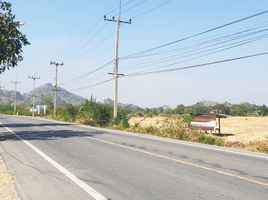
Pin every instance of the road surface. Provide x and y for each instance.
(57, 160)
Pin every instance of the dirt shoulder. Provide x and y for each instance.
(7, 187)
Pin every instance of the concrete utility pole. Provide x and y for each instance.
(116, 75)
(15, 102)
(33, 77)
(55, 87)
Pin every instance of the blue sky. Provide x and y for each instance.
(74, 33)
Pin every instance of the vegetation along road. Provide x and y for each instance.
(58, 160)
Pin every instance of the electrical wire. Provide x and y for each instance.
(202, 49)
(227, 48)
(175, 69)
(118, 8)
(195, 66)
(202, 41)
(87, 42)
(151, 10)
(87, 74)
(210, 30)
(89, 86)
(198, 34)
(93, 47)
(81, 40)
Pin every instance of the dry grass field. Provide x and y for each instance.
(243, 129)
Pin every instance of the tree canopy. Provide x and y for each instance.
(11, 39)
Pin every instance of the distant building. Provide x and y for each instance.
(215, 111)
(256, 112)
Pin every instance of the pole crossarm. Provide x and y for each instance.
(118, 75)
(113, 20)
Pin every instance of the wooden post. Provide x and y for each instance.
(219, 125)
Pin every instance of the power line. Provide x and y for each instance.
(201, 33)
(82, 40)
(151, 9)
(89, 86)
(92, 47)
(199, 44)
(195, 66)
(87, 42)
(87, 74)
(207, 46)
(125, 57)
(132, 7)
(219, 40)
(118, 8)
(175, 69)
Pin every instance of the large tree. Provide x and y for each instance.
(11, 39)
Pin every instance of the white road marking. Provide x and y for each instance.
(71, 176)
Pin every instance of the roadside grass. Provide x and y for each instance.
(174, 127)
(177, 127)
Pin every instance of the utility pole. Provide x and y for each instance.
(33, 77)
(55, 87)
(116, 75)
(15, 102)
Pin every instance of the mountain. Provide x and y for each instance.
(63, 96)
(8, 96)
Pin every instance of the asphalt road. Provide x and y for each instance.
(56, 160)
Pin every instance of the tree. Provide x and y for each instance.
(179, 109)
(263, 110)
(11, 39)
(47, 100)
(155, 112)
(160, 109)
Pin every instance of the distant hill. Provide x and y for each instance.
(212, 103)
(111, 102)
(63, 96)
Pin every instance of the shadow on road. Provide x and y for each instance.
(22, 125)
(223, 134)
(46, 135)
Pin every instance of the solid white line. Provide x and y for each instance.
(71, 176)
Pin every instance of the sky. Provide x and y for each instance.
(163, 35)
